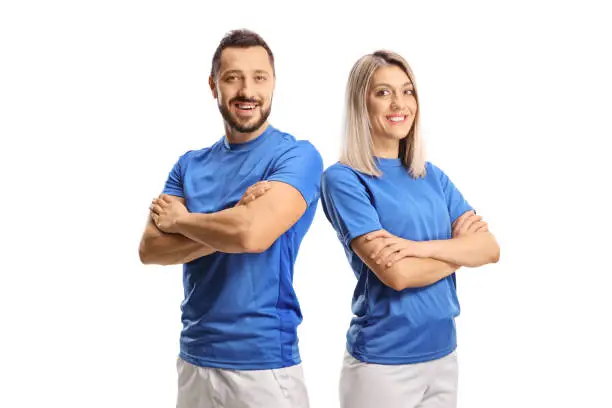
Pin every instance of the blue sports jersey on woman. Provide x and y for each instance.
(389, 326)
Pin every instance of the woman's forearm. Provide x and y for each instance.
(470, 250)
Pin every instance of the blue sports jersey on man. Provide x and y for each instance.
(240, 310)
(389, 326)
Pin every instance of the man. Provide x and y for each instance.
(235, 214)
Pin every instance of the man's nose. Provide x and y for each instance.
(246, 90)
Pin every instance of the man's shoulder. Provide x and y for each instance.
(286, 144)
(195, 154)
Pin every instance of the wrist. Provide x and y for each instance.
(181, 222)
(427, 249)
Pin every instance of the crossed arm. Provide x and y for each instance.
(246, 228)
(174, 235)
(401, 263)
(161, 248)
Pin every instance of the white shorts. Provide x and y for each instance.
(432, 384)
(207, 387)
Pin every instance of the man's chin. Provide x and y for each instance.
(252, 121)
(245, 126)
(248, 127)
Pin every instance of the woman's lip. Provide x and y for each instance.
(396, 122)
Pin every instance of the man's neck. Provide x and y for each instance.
(233, 136)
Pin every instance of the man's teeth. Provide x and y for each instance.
(246, 106)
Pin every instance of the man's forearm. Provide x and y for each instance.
(469, 250)
(418, 272)
(226, 230)
(160, 248)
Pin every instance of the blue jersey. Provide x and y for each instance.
(240, 310)
(389, 326)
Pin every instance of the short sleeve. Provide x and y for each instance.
(174, 183)
(347, 204)
(455, 202)
(301, 167)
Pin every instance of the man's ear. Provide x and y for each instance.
(213, 88)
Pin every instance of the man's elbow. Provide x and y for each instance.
(148, 256)
(144, 255)
(253, 243)
(248, 238)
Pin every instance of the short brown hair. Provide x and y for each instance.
(239, 39)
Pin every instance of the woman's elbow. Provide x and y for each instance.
(487, 251)
(494, 251)
(396, 284)
(398, 281)
(495, 255)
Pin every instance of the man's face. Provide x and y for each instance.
(243, 87)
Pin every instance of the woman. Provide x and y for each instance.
(405, 229)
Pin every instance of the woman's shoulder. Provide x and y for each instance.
(341, 174)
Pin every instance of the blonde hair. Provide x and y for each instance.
(357, 150)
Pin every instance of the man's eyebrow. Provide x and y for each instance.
(231, 71)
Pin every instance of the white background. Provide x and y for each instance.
(99, 99)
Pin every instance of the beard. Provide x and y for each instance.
(235, 124)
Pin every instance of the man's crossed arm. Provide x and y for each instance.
(174, 235)
(161, 247)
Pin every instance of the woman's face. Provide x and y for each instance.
(391, 103)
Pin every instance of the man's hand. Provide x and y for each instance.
(469, 223)
(256, 190)
(389, 249)
(165, 212)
